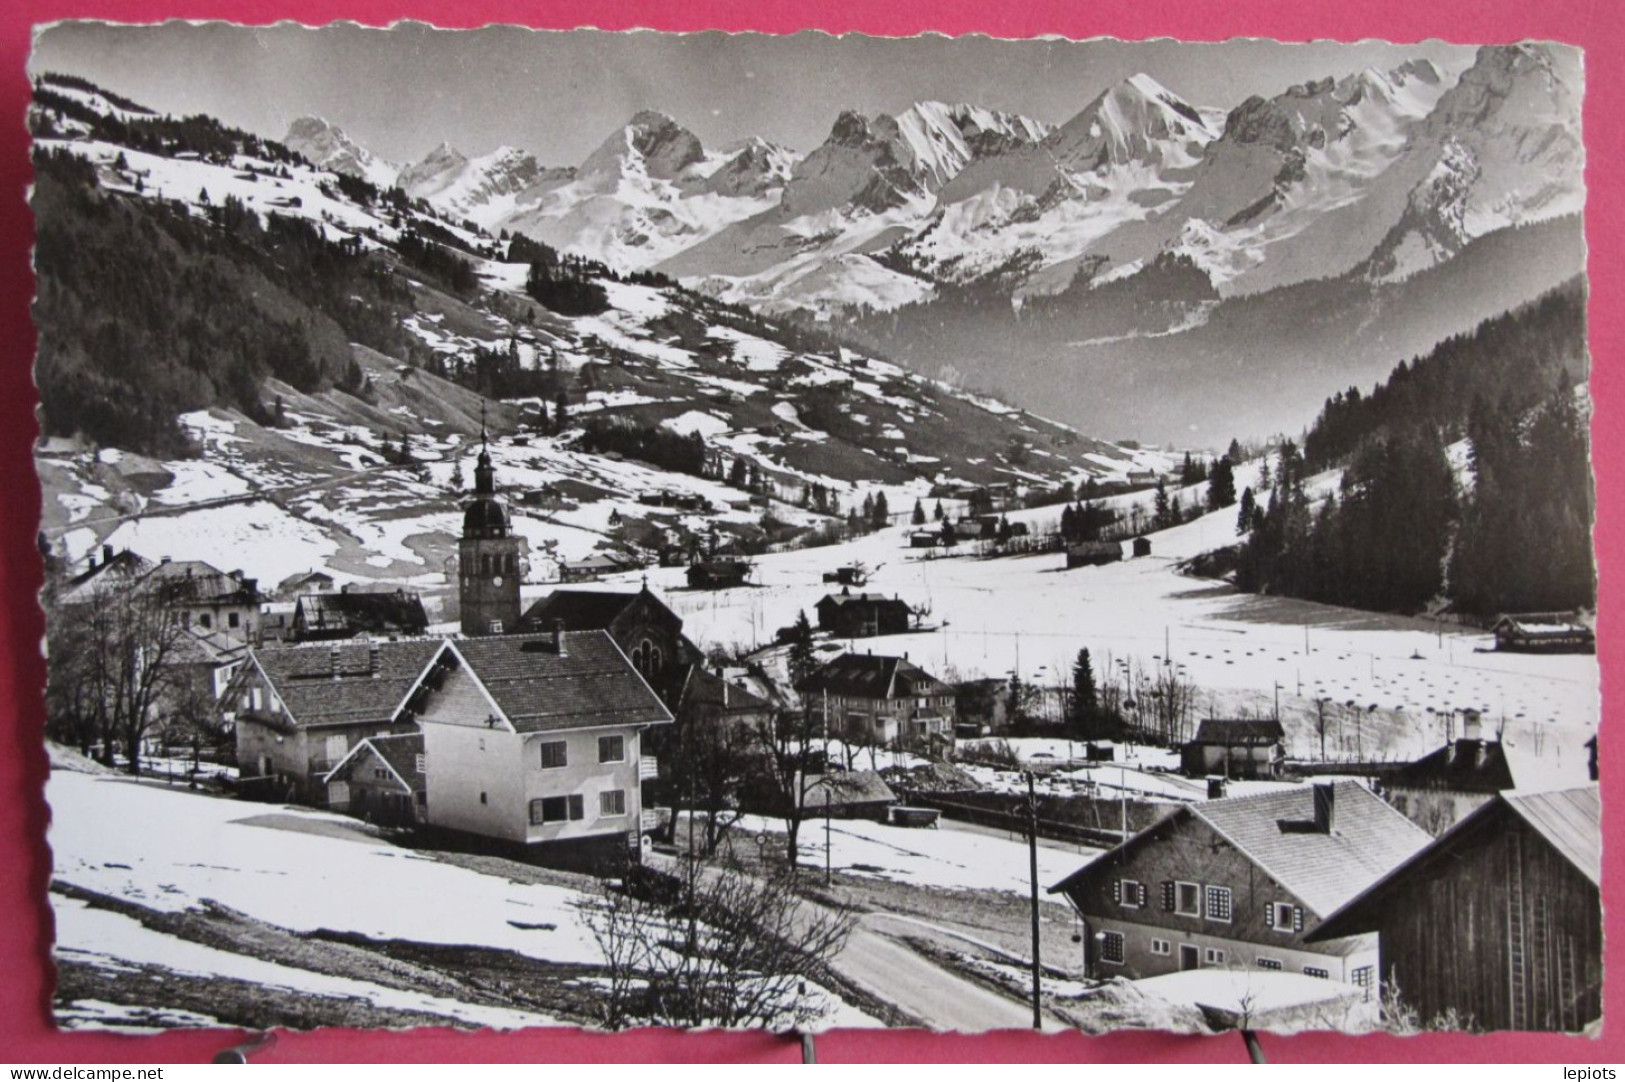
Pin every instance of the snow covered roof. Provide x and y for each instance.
(1463, 766)
(843, 599)
(345, 614)
(541, 688)
(851, 787)
(1275, 830)
(1570, 819)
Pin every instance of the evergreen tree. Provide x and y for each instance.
(880, 518)
(918, 518)
(1244, 518)
(1221, 485)
(801, 659)
(738, 475)
(1085, 697)
(1265, 482)
(1234, 452)
(1160, 519)
(1004, 530)
(937, 515)
(561, 412)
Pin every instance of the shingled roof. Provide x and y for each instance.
(1569, 819)
(401, 752)
(703, 688)
(579, 610)
(1275, 831)
(872, 676)
(539, 688)
(303, 677)
(348, 613)
(1463, 766)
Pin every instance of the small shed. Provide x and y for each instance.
(1234, 748)
(1544, 633)
(855, 794)
(1142, 547)
(718, 574)
(381, 780)
(1093, 554)
(924, 539)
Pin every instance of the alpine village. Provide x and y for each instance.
(448, 629)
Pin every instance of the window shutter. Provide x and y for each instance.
(1167, 895)
(1117, 891)
(1145, 895)
(1297, 918)
(1269, 914)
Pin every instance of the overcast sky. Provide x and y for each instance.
(558, 94)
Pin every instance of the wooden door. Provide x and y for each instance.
(1190, 957)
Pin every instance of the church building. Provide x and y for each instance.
(488, 558)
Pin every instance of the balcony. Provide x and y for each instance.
(648, 767)
(648, 819)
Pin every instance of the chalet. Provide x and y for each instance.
(349, 613)
(1142, 547)
(854, 794)
(298, 710)
(1544, 633)
(113, 569)
(533, 743)
(707, 697)
(642, 625)
(717, 574)
(1242, 882)
(1444, 786)
(855, 616)
(204, 596)
(381, 780)
(590, 568)
(1093, 554)
(305, 582)
(925, 539)
(1499, 920)
(1234, 748)
(882, 700)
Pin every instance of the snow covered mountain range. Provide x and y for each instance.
(1394, 171)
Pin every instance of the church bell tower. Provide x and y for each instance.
(487, 557)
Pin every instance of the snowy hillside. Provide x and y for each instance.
(363, 479)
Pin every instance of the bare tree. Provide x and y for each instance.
(731, 950)
(791, 743)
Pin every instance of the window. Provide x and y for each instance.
(1218, 904)
(380, 774)
(205, 621)
(1161, 946)
(1361, 976)
(555, 754)
(556, 809)
(233, 619)
(647, 657)
(485, 564)
(1269, 963)
(1316, 971)
(1284, 917)
(612, 749)
(421, 763)
(1214, 956)
(496, 627)
(1111, 947)
(1188, 899)
(483, 800)
(611, 803)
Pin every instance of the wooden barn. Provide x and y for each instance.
(1499, 921)
(718, 574)
(1544, 633)
(855, 794)
(1142, 547)
(854, 616)
(1093, 554)
(1234, 748)
(924, 539)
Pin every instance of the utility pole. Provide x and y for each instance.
(829, 794)
(1032, 857)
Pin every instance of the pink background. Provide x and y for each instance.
(26, 1034)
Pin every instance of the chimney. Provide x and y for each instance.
(558, 637)
(333, 660)
(1215, 787)
(1325, 794)
(372, 657)
(93, 559)
(107, 554)
(1471, 725)
(163, 559)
